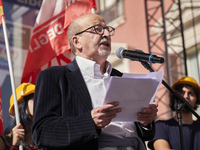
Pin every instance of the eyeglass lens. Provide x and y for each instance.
(100, 29)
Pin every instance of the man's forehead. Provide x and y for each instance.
(88, 20)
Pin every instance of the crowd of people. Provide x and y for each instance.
(68, 110)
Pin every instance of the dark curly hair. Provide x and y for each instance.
(178, 88)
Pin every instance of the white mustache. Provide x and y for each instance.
(105, 40)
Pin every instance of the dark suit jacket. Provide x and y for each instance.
(62, 111)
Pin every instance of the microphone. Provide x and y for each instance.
(138, 55)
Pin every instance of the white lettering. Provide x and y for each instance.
(51, 34)
(30, 48)
(43, 39)
(58, 28)
(37, 44)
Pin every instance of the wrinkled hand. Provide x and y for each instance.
(147, 115)
(18, 134)
(103, 115)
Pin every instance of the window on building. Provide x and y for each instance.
(193, 63)
(111, 11)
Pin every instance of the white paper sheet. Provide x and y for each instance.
(133, 92)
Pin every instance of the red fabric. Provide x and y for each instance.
(1, 11)
(93, 4)
(1, 4)
(49, 45)
(1, 116)
(14, 147)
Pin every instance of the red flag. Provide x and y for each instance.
(1, 11)
(1, 115)
(49, 45)
(93, 4)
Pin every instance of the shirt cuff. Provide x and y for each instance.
(148, 127)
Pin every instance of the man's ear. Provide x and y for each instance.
(76, 42)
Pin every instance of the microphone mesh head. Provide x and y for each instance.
(119, 52)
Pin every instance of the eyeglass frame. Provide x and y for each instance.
(106, 27)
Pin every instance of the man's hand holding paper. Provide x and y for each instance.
(147, 115)
(135, 94)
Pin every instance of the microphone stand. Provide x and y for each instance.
(179, 105)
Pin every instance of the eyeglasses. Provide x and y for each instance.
(99, 29)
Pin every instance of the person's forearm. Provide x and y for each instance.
(161, 144)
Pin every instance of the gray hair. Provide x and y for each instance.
(73, 28)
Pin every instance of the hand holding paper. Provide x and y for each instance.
(147, 115)
(133, 92)
(103, 115)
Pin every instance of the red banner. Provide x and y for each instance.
(49, 45)
(93, 4)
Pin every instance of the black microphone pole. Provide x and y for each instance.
(178, 106)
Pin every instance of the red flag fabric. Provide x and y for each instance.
(49, 45)
(1, 11)
(1, 115)
(93, 4)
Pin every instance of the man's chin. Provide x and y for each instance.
(104, 53)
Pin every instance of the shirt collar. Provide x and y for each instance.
(92, 68)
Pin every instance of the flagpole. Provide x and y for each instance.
(93, 10)
(10, 67)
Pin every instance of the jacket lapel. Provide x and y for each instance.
(78, 85)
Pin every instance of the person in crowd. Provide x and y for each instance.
(167, 131)
(68, 103)
(13, 134)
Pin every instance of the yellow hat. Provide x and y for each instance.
(189, 81)
(21, 91)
